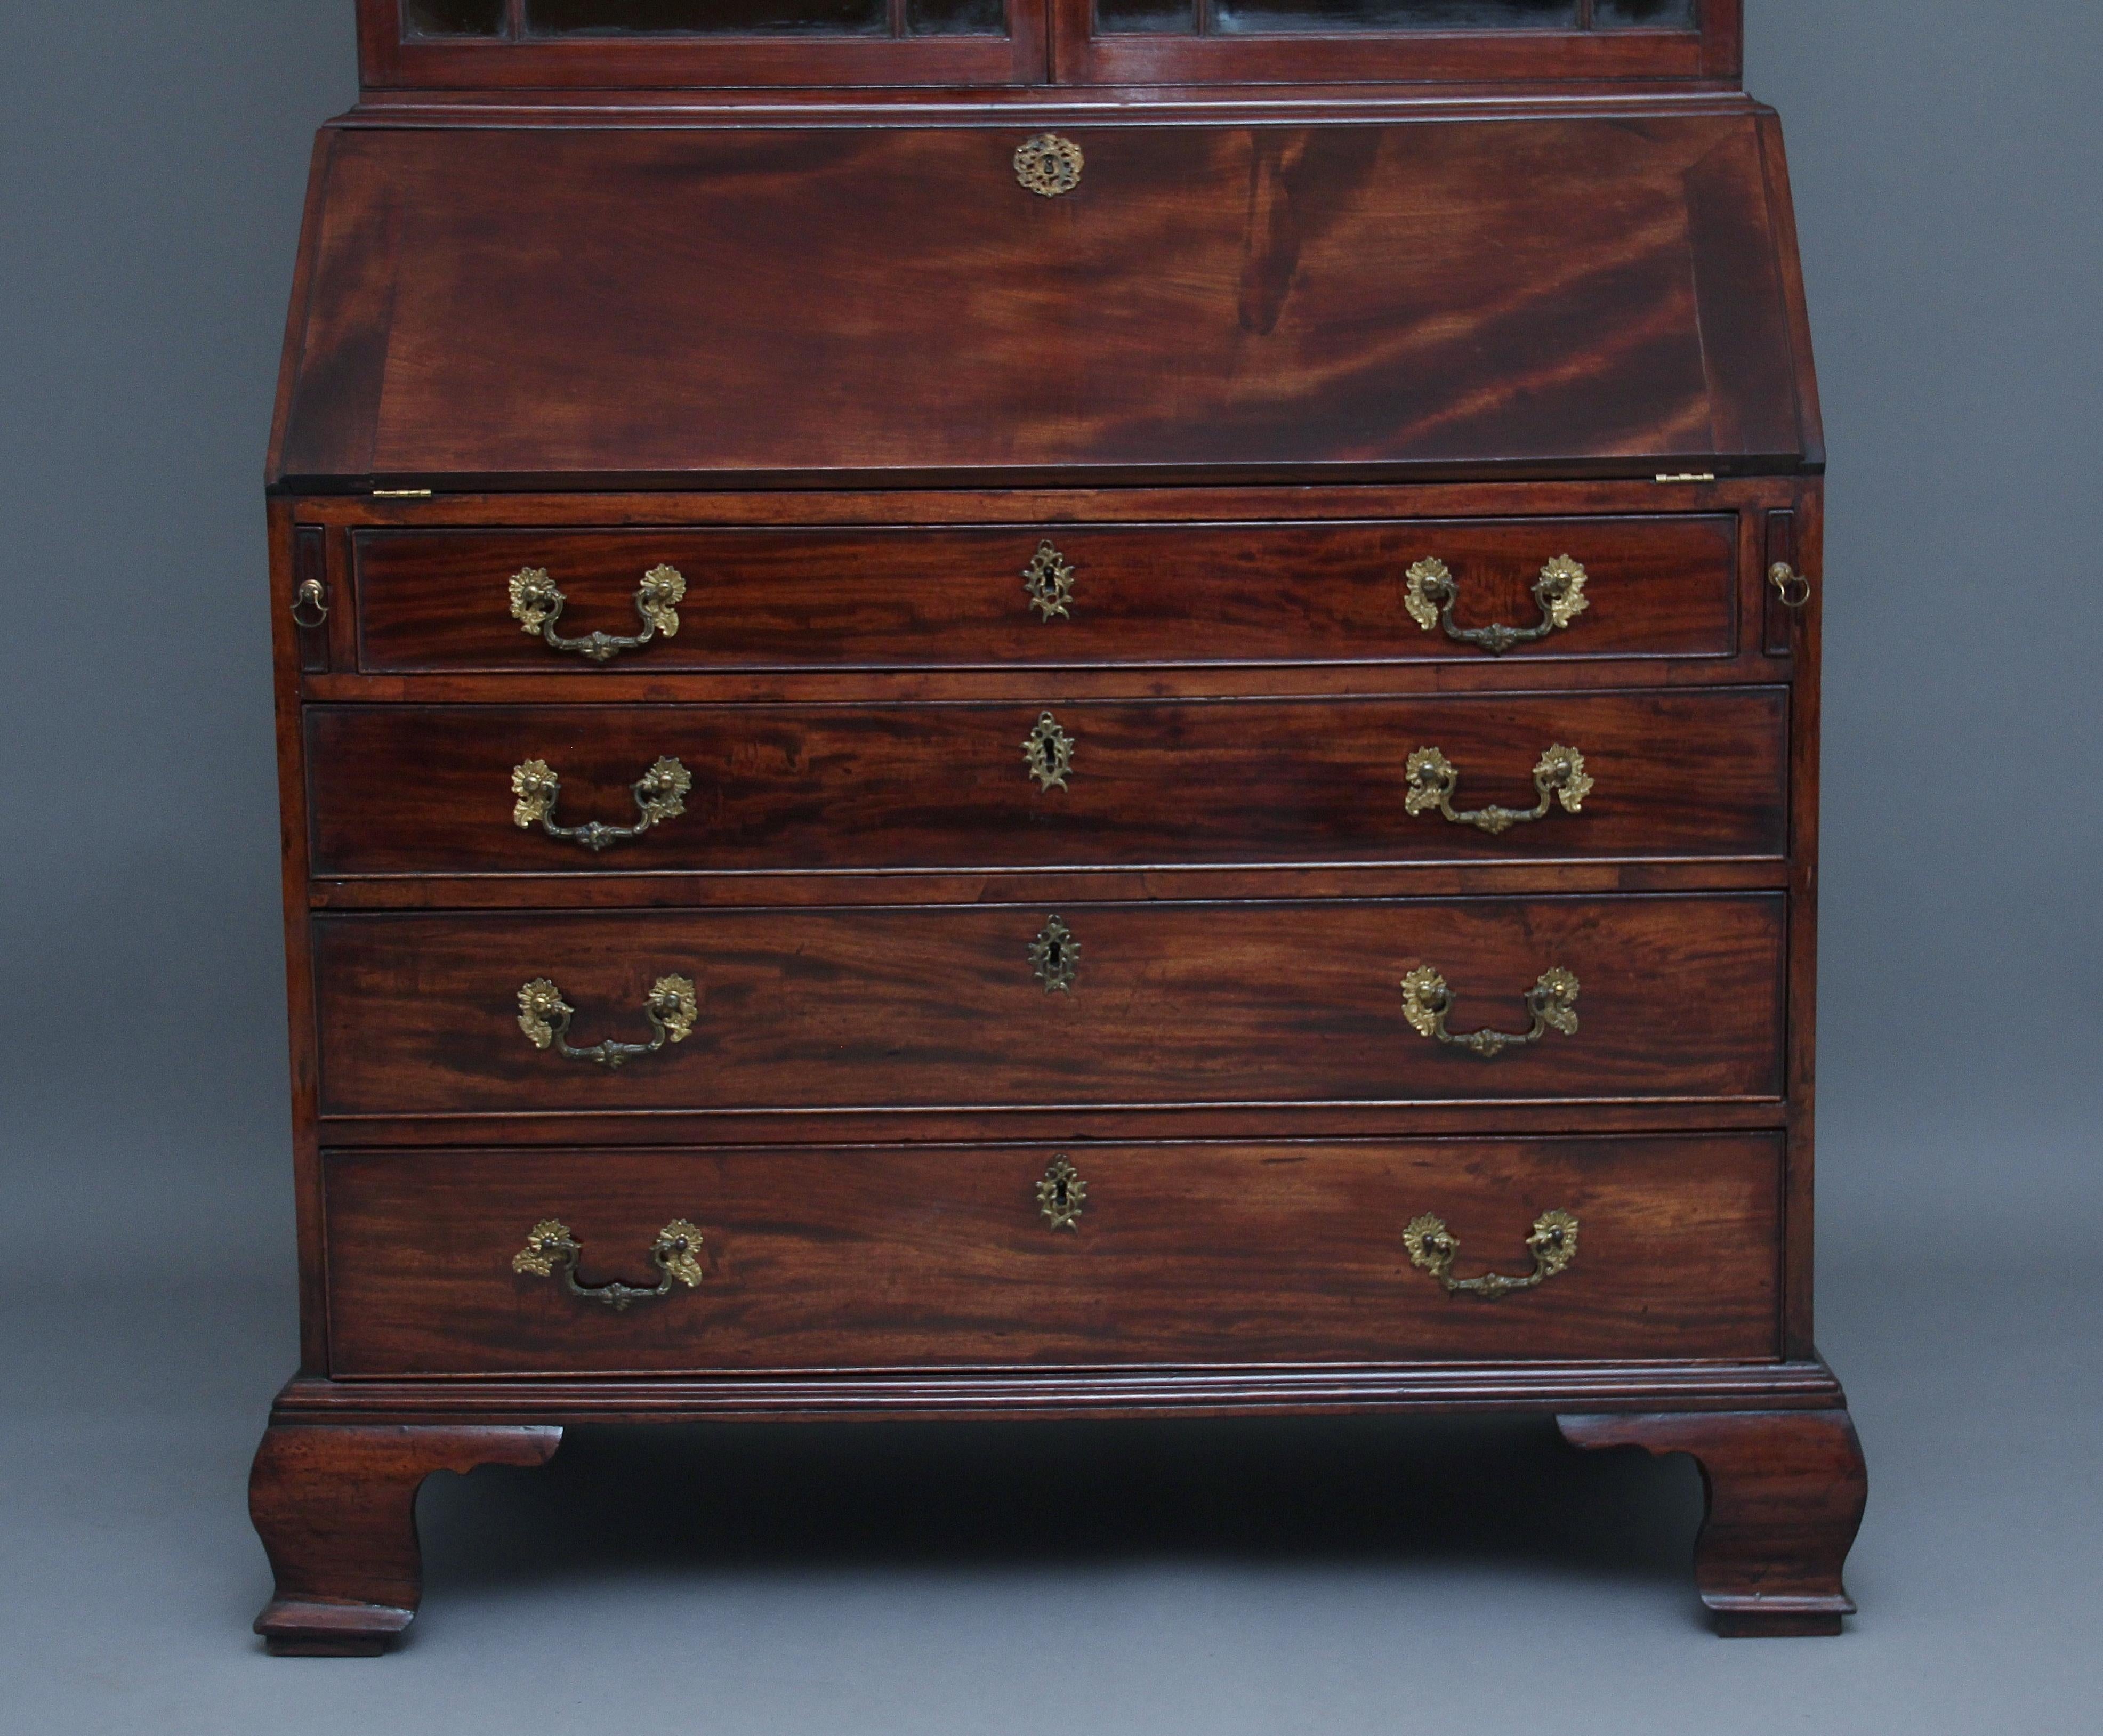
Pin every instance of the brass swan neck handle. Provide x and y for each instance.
(1552, 1001)
(1553, 1244)
(545, 1016)
(1431, 591)
(551, 1248)
(1433, 778)
(661, 795)
(537, 605)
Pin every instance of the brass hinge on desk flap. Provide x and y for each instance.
(1690, 476)
(401, 493)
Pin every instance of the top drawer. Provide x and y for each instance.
(1046, 596)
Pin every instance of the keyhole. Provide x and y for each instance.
(1059, 1193)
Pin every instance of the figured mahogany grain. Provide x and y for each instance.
(415, 790)
(907, 599)
(934, 1007)
(1183, 1254)
(886, 304)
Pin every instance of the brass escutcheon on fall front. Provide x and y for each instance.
(1553, 1244)
(659, 793)
(1433, 778)
(1048, 164)
(1552, 1001)
(545, 1016)
(537, 605)
(550, 1249)
(1060, 1195)
(1432, 591)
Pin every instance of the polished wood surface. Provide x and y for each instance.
(404, 790)
(1229, 1004)
(1185, 1253)
(1158, 595)
(336, 1509)
(1786, 1492)
(1521, 296)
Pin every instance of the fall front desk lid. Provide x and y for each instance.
(623, 305)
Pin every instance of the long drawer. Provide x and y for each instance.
(1102, 1004)
(1066, 594)
(404, 790)
(466, 1262)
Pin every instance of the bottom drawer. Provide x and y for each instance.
(1179, 1254)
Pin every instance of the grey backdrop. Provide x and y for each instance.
(1948, 158)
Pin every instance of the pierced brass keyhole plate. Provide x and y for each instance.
(1055, 955)
(1048, 164)
(1062, 1195)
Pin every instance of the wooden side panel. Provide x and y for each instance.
(887, 304)
(1163, 594)
(840, 1259)
(1172, 1003)
(423, 790)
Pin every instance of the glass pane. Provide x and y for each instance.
(957, 17)
(1251, 17)
(1146, 17)
(1655, 15)
(454, 17)
(707, 18)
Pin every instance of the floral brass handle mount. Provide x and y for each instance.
(1552, 1001)
(537, 605)
(661, 794)
(1553, 1244)
(1433, 778)
(545, 1016)
(1431, 591)
(551, 1248)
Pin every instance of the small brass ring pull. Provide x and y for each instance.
(659, 793)
(1433, 591)
(550, 1249)
(537, 605)
(310, 604)
(1048, 164)
(1559, 777)
(1060, 1194)
(545, 1016)
(1552, 1001)
(1048, 751)
(1553, 1244)
(1793, 588)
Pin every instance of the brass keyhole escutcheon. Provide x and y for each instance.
(1049, 580)
(1055, 955)
(1049, 750)
(1048, 164)
(1060, 1195)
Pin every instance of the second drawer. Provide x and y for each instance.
(475, 790)
(1649, 997)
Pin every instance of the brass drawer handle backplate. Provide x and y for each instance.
(661, 794)
(1433, 778)
(536, 605)
(550, 1249)
(1553, 1244)
(545, 1016)
(1433, 591)
(1552, 1001)
(1048, 164)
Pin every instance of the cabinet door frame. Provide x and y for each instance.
(1712, 54)
(392, 59)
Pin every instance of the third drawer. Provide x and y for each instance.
(1628, 997)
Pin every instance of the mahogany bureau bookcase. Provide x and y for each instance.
(1017, 708)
